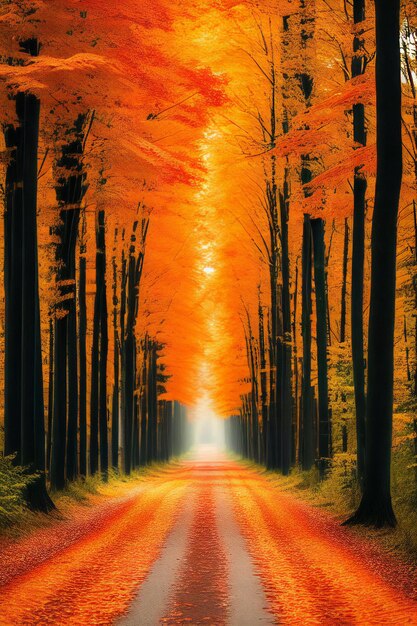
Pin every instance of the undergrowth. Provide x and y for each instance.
(15, 517)
(13, 481)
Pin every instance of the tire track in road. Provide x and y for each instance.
(201, 594)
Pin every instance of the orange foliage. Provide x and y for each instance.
(178, 91)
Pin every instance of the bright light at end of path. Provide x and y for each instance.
(208, 270)
(208, 427)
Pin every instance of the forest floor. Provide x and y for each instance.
(208, 540)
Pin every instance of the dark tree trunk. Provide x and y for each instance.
(307, 449)
(123, 296)
(129, 389)
(169, 429)
(376, 508)
(94, 395)
(72, 440)
(344, 282)
(297, 418)
(358, 246)
(273, 361)
(176, 429)
(59, 404)
(286, 373)
(98, 397)
(144, 407)
(72, 356)
(253, 409)
(130, 357)
(151, 416)
(358, 356)
(264, 382)
(104, 345)
(132, 272)
(324, 425)
(154, 403)
(13, 224)
(50, 394)
(95, 352)
(82, 338)
(136, 433)
(70, 189)
(24, 403)
(116, 363)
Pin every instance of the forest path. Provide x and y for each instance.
(207, 541)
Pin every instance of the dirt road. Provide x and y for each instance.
(207, 541)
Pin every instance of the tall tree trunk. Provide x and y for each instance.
(136, 433)
(82, 339)
(96, 363)
(264, 381)
(358, 246)
(13, 224)
(271, 461)
(72, 440)
(286, 364)
(253, 369)
(297, 420)
(151, 417)
(50, 394)
(24, 403)
(132, 272)
(307, 450)
(70, 189)
(59, 426)
(72, 354)
(130, 357)
(175, 429)
(116, 364)
(376, 508)
(104, 347)
(344, 282)
(358, 356)
(144, 407)
(123, 298)
(154, 402)
(169, 429)
(324, 425)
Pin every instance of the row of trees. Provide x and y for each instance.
(91, 426)
(285, 418)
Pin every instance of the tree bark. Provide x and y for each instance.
(344, 282)
(24, 403)
(98, 412)
(376, 507)
(104, 348)
(307, 448)
(358, 246)
(324, 425)
(286, 364)
(82, 343)
(264, 382)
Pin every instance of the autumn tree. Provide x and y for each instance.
(24, 402)
(375, 507)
